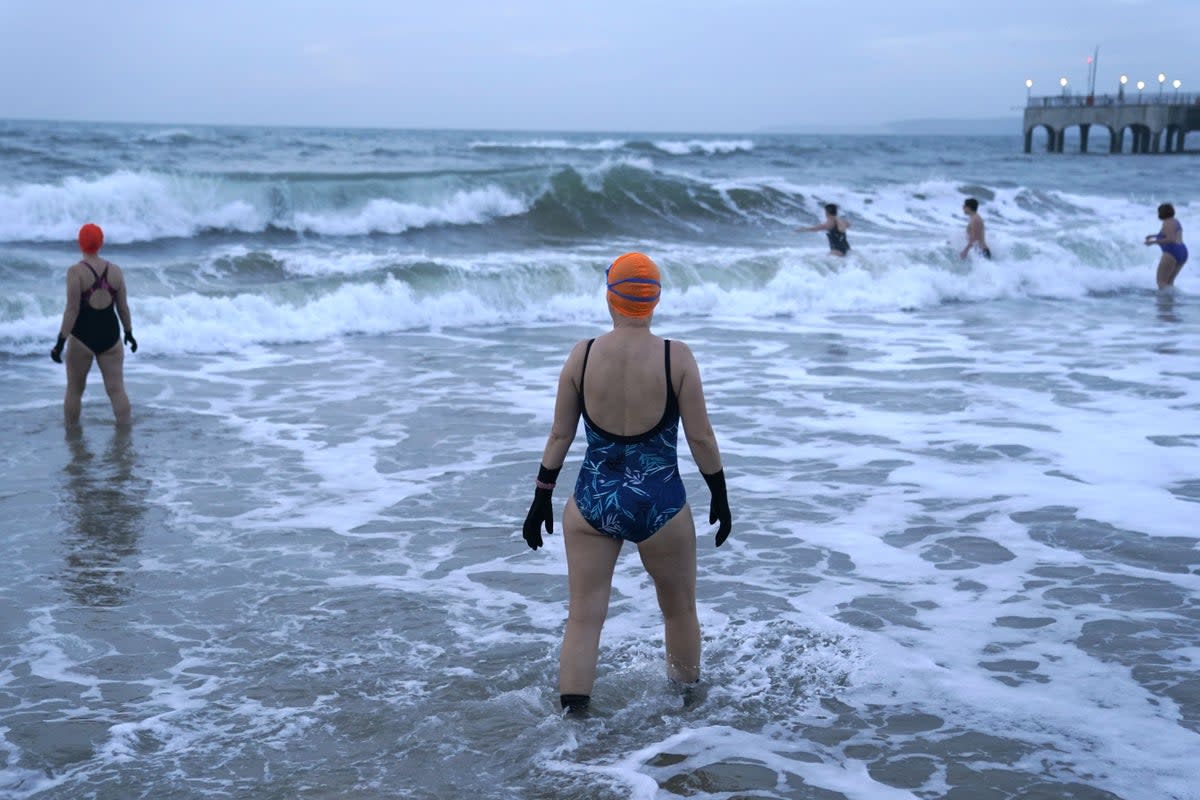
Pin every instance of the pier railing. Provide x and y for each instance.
(1171, 98)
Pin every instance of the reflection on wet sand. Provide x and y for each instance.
(105, 507)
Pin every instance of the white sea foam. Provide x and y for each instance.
(548, 144)
(707, 146)
(381, 215)
(882, 599)
(132, 207)
(489, 289)
(139, 207)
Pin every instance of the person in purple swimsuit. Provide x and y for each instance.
(96, 298)
(1170, 239)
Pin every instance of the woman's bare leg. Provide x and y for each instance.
(1168, 268)
(591, 558)
(670, 558)
(78, 360)
(1174, 273)
(112, 367)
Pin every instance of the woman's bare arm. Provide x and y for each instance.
(71, 312)
(566, 411)
(694, 411)
(123, 301)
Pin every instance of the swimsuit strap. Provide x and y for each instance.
(87, 293)
(99, 281)
(583, 372)
(672, 407)
(667, 361)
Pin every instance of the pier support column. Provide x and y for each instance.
(1060, 140)
(1083, 137)
(1029, 140)
(1155, 141)
(1141, 139)
(1117, 142)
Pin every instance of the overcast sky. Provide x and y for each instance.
(619, 65)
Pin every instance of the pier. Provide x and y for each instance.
(1156, 124)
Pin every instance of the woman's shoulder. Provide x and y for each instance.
(681, 352)
(77, 271)
(116, 275)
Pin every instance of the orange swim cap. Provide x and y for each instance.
(91, 238)
(634, 285)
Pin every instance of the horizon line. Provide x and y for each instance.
(865, 129)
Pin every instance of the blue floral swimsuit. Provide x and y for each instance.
(629, 486)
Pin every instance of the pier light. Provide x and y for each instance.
(1028, 88)
(1063, 83)
(1177, 83)
(1141, 85)
(1162, 78)
(1124, 79)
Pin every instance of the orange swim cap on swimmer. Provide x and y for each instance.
(634, 285)
(91, 238)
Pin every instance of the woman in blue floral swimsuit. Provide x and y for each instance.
(638, 387)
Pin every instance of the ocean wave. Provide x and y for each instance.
(142, 207)
(173, 137)
(389, 216)
(377, 294)
(131, 206)
(674, 147)
(625, 194)
(547, 144)
(710, 147)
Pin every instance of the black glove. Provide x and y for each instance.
(718, 509)
(129, 340)
(542, 509)
(56, 353)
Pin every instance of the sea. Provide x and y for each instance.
(965, 559)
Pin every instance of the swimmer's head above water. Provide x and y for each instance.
(634, 285)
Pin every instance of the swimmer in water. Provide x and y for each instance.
(835, 228)
(1174, 251)
(975, 235)
(96, 298)
(632, 389)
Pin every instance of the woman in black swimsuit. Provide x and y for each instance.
(95, 298)
(835, 229)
